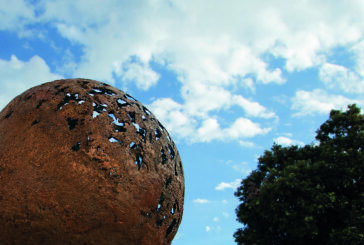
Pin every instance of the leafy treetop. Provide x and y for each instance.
(308, 195)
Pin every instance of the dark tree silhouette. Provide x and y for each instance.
(308, 195)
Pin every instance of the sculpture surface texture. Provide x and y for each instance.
(82, 162)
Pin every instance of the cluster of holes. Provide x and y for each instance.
(174, 209)
(101, 90)
(141, 131)
(160, 205)
(118, 126)
(157, 134)
(98, 109)
(164, 156)
(67, 98)
(122, 103)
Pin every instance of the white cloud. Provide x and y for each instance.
(15, 15)
(209, 130)
(184, 123)
(202, 98)
(211, 51)
(141, 74)
(173, 117)
(218, 45)
(252, 108)
(285, 141)
(241, 128)
(216, 219)
(207, 228)
(319, 102)
(201, 201)
(341, 78)
(18, 76)
(244, 128)
(228, 185)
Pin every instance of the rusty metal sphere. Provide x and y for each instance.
(82, 162)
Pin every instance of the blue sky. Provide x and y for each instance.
(226, 78)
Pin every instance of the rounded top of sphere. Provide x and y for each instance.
(82, 162)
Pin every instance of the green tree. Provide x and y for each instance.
(308, 195)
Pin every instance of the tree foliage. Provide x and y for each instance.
(308, 195)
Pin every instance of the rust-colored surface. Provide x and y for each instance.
(84, 163)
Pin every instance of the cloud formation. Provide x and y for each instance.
(228, 185)
(214, 52)
(18, 76)
(286, 141)
(319, 101)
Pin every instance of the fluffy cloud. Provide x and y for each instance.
(339, 77)
(16, 15)
(185, 125)
(319, 102)
(211, 52)
(285, 141)
(143, 76)
(209, 130)
(183, 120)
(171, 114)
(198, 44)
(245, 128)
(228, 185)
(252, 108)
(241, 128)
(18, 76)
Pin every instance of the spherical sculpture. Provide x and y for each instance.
(82, 162)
